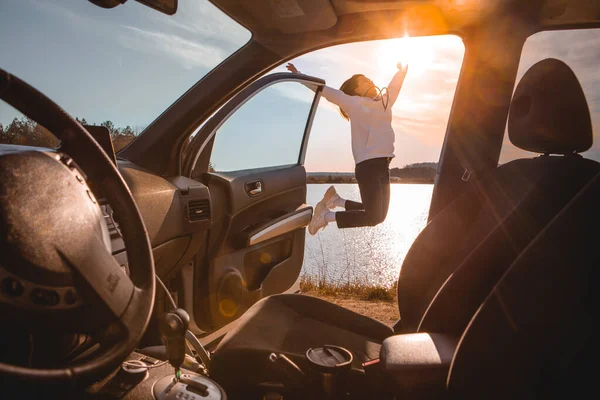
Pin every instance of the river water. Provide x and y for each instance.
(371, 254)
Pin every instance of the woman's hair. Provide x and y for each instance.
(349, 87)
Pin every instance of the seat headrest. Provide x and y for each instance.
(548, 112)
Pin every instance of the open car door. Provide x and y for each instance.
(250, 155)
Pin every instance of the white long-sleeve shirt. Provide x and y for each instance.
(370, 123)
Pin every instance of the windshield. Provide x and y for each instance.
(119, 67)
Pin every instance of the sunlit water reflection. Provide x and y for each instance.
(369, 254)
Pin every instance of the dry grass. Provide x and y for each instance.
(354, 290)
(377, 302)
(383, 311)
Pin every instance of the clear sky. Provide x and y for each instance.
(130, 63)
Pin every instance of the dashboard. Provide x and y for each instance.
(176, 212)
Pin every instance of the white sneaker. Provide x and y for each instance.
(318, 220)
(330, 198)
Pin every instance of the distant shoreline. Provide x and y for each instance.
(420, 173)
(353, 182)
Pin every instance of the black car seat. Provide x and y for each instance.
(535, 336)
(532, 335)
(547, 118)
(558, 179)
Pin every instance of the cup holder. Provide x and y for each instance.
(330, 367)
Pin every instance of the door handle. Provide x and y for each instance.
(254, 188)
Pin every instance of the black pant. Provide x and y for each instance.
(373, 178)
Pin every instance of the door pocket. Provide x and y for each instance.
(258, 263)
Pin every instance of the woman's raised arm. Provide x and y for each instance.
(335, 96)
(396, 84)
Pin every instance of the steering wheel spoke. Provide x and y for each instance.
(102, 273)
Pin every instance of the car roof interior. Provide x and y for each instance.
(313, 24)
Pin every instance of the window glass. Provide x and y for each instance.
(120, 67)
(580, 50)
(266, 131)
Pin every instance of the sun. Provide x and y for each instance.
(417, 54)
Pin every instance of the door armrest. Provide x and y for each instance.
(289, 222)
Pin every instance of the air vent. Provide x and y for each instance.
(198, 210)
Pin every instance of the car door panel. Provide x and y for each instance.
(274, 181)
(259, 215)
(244, 264)
(239, 279)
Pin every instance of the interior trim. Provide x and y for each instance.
(286, 223)
(309, 123)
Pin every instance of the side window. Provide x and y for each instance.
(580, 50)
(132, 62)
(266, 131)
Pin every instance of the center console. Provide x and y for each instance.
(410, 366)
(144, 377)
(157, 382)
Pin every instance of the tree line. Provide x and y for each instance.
(412, 173)
(24, 131)
(424, 172)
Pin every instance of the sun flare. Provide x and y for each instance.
(406, 50)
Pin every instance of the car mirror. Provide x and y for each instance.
(165, 6)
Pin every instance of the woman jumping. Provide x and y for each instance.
(369, 111)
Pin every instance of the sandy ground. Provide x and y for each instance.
(383, 311)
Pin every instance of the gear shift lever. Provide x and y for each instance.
(174, 330)
(173, 327)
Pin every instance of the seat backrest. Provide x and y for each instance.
(536, 334)
(481, 222)
(467, 287)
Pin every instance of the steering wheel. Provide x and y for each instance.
(50, 225)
